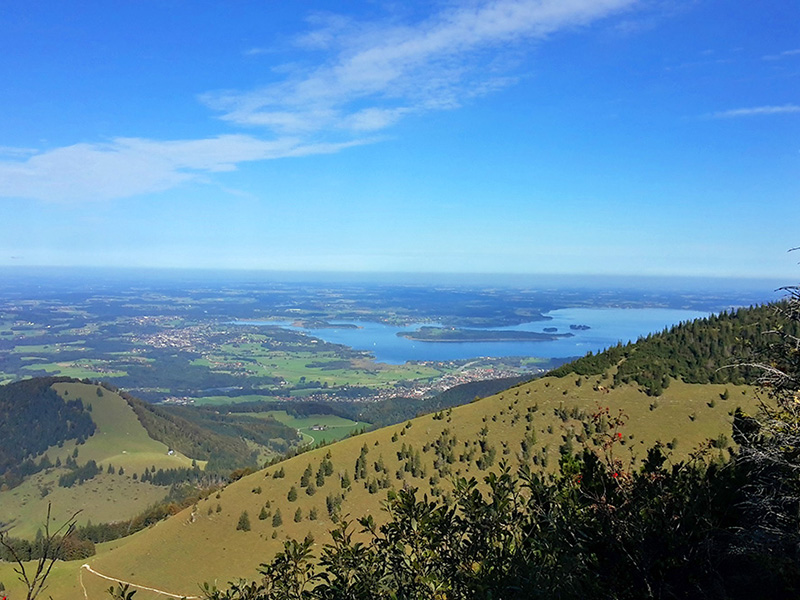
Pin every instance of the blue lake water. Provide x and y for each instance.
(607, 327)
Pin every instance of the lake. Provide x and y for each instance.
(607, 327)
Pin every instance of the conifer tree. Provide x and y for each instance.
(244, 522)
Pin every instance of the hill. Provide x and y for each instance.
(85, 446)
(34, 417)
(700, 351)
(534, 423)
(118, 443)
(226, 441)
(531, 422)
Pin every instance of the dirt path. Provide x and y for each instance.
(135, 585)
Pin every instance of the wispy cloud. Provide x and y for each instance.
(371, 76)
(14, 151)
(131, 166)
(782, 55)
(377, 73)
(255, 51)
(757, 111)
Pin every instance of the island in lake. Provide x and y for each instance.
(579, 327)
(446, 334)
(320, 324)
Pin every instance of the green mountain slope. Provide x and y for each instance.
(528, 423)
(222, 440)
(32, 418)
(82, 446)
(119, 441)
(532, 423)
(700, 351)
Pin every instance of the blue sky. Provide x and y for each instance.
(550, 136)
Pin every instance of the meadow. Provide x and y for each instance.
(333, 427)
(329, 369)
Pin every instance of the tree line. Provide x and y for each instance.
(718, 349)
(34, 417)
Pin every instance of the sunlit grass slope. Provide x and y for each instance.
(203, 543)
(120, 441)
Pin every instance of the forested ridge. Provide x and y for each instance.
(397, 410)
(206, 436)
(701, 351)
(264, 431)
(34, 417)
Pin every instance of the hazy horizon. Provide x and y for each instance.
(767, 285)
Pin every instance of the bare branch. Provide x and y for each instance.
(50, 552)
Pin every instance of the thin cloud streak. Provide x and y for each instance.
(131, 166)
(14, 151)
(757, 111)
(255, 51)
(782, 55)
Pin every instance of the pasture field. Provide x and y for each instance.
(212, 400)
(120, 439)
(335, 427)
(49, 348)
(104, 499)
(70, 369)
(326, 367)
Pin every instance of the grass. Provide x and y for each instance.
(212, 400)
(184, 550)
(121, 441)
(105, 498)
(63, 582)
(48, 348)
(72, 370)
(336, 428)
(292, 367)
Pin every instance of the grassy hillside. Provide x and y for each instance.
(225, 441)
(119, 440)
(89, 424)
(32, 418)
(315, 428)
(532, 423)
(203, 543)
